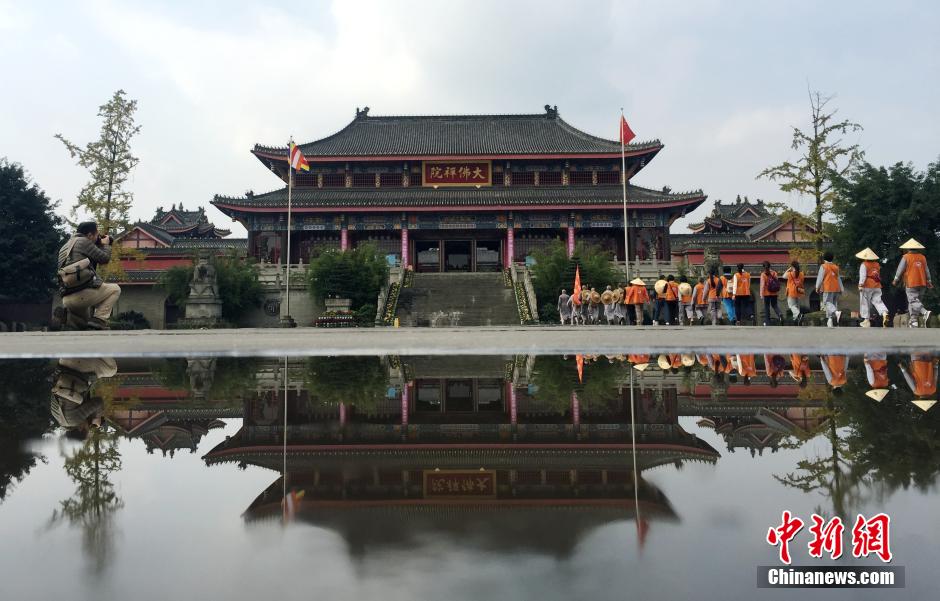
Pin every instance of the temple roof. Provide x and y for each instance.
(426, 196)
(437, 135)
(178, 220)
(737, 216)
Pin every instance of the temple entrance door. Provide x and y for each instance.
(487, 255)
(428, 253)
(457, 255)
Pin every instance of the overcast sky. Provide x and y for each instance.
(720, 83)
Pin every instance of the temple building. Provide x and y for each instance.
(459, 193)
(743, 232)
(172, 238)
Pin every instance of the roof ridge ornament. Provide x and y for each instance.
(362, 113)
(551, 111)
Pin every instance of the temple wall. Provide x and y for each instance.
(145, 299)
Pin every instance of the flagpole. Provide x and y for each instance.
(636, 476)
(286, 320)
(623, 167)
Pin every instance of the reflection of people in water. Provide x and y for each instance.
(921, 375)
(835, 369)
(800, 369)
(876, 370)
(774, 367)
(73, 405)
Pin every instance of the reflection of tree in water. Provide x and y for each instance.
(361, 382)
(24, 415)
(875, 448)
(94, 502)
(555, 378)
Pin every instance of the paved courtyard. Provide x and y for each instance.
(464, 341)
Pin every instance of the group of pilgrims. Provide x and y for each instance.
(729, 297)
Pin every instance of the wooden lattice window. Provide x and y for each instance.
(334, 180)
(305, 179)
(523, 178)
(608, 177)
(550, 178)
(580, 178)
(390, 180)
(363, 180)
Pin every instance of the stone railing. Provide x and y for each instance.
(273, 276)
(522, 277)
(386, 306)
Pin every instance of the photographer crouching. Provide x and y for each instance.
(79, 284)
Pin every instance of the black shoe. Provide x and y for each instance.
(98, 324)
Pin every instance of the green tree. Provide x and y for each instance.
(356, 274)
(24, 415)
(237, 279)
(553, 270)
(95, 500)
(30, 236)
(554, 378)
(109, 163)
(882, 207)
(824, 159)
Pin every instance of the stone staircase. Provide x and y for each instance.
(457, 299)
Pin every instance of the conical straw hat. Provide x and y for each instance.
(924, 404)
(660, 286)
(867, 255)
(685, 289)
(664, 362)
(877, 394)
(641, 366)
(618, 295)
(912, 245)
(637, 282)
(607, 297)
(688, 360)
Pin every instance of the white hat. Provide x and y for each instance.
(641, 366)
(637, 282)
(660, 286)
(664, 362)
(912, 245)
(877, 394)
(924, 404)
(867, 255)
(685, 289)
(688, 360)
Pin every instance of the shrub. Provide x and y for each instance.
(356, 274)
(553, 270)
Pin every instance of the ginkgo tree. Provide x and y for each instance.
(825, 158)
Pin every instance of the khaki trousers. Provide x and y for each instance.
(915, 307)
(101, 298)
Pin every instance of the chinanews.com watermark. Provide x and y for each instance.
(871, 537)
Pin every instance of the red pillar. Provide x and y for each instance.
(570, 241)
(575, 409)
(404, 404)
(404, 246)
(343, 239)
(342, 414)
(510, 247)
(513, 411)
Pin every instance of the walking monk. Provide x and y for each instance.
(869, 288)
(921, 376)
(714, 291)
(637, 295)
(916, 274)
(796, 280)
(829, 286)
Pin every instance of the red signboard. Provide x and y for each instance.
(456, 173)
(459, 484)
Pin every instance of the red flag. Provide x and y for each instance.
(576, 293)
(642, 529)
(579, 360)
(626, 134)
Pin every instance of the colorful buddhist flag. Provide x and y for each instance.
(576, 292)
(297, 159)
(626, 134)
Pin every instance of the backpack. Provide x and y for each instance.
(773, 283)
(77, 275)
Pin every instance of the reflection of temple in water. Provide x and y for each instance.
(471, 438)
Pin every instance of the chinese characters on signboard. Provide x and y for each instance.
(459, 484)
(456, 173)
